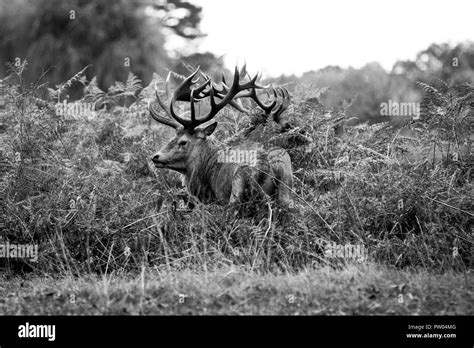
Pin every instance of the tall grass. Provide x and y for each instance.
(82, 188)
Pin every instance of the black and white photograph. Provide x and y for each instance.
(175, 167)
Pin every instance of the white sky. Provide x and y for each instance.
(277, 36)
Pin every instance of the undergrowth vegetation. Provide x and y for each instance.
(76, 180)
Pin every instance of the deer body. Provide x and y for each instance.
(219, 173)
(210, 179)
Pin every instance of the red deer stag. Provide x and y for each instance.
(214, 172)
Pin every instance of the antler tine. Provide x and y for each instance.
(193, 108)
(267, 108)
(179, 92)
(248, 75)
(204, 75)
(201, 88)
(162, 105)
(167, 87)
(285, 102)
(182, 92)
(286, 97)
(251, 93)
(227, 98)
(185, 92)
(221, 94)
(243, 72)
(157, 117)
(236, 87)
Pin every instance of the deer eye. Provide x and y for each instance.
(182, 142)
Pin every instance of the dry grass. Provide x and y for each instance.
(357, 289)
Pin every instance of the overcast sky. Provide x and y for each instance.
(276, 36)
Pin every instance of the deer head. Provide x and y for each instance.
(190, 140)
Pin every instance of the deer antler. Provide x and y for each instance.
(281, 101)
(221, 90)
(182, 93)
(226, 95)
(187, 91)
(281, 97)
(157, 117)
(284, 95)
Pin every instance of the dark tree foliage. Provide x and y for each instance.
(208, 62)
(116, 37)
(181, 16)
(454, 65)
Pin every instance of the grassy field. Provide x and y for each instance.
(354, 290)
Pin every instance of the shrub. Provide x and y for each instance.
(83, 188)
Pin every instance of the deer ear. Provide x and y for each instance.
(210, 129)
(202, 133)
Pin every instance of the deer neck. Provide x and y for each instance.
(201, 170)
